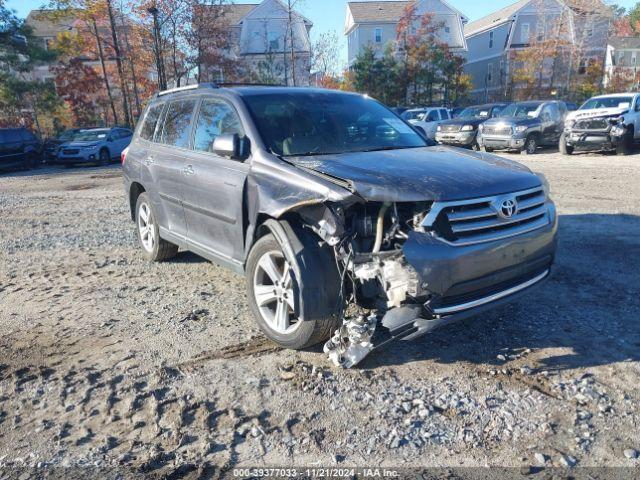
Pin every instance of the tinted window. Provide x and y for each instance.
(444, 115)
(432, 116)
(27, 136)
(177, 123)
(150, 122)
(215, 118)
(13, 136)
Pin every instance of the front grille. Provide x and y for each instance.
(450, 128)
(592, 124)
(477, 221)
(497, 130)
(71, 151)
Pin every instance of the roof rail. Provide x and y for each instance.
(187, 88)
(245, 84)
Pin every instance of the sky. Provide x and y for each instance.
(329, 15)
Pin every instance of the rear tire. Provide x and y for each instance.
(154, 248)
(488, 149)
(29, 161)
(563, 147)
(270, 282)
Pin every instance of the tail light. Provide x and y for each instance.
(123, 155)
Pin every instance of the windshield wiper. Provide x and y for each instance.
(381, 149)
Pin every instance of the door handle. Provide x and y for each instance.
(188, 170)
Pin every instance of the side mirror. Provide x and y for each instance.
(230, 146)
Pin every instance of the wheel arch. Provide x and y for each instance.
(135, 190)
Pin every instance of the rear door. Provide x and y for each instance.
(167, 159)
(214, 185)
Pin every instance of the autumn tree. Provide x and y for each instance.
(325, 59)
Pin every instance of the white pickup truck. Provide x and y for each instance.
(605, 122)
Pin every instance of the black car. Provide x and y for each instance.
(524, 126)
(462, 131)
(341, 217)
(52, 145)
(19, 148)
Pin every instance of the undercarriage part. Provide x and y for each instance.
(380, 227)
(352, 341)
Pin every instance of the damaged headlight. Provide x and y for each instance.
(569, 124)
(619, 128)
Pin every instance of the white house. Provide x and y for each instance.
(261, 36)
(492, 39)
(374, 23)
(622, 61)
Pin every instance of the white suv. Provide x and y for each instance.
(427, 119)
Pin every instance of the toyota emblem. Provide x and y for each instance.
(509, 208)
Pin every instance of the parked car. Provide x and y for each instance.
(19, 148)
(455, 112)
(605, 122)
(524, 126)
(571, 107)
(462, 131)
(52, 145)
(309, 195)
(96, 145)
(427, 121)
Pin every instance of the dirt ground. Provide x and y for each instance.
(159, 369)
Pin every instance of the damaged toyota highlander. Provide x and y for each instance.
(349, 227)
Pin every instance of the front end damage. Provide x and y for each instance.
(600, 132)
(407, 268)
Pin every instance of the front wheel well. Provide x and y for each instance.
(135, 191)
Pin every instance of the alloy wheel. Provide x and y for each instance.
(146, 227)
(273, 292)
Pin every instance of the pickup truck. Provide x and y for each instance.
(524, 127)
(605, 122)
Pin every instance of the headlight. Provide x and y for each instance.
(545, 184)
(569, 124)
(480, 128)
(89, 147)
(521, 128)
(467, 128)
(439, 128)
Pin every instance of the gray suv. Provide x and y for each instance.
(348, 227)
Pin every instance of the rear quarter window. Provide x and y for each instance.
(177, 123)
(150, 121)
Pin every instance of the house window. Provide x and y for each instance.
(490, 39)
(590, 32)
(540, 31)
(633, 58)
(621, 58)
(378, 35)
(525, 33)
(447, 29)
(582, 67)
(273, 40)
(489, 73)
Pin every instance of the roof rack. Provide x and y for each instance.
(198, 86)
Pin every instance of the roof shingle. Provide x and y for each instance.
(386, 11)
(496, 18)
(625, 43)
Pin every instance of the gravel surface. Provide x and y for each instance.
(109, 361)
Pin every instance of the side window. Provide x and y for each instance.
(177, 123)
(216, 118)
(496, 111)
(432, 116)
(150, 122)
(27, 136)
(444, 115)
(14, 136)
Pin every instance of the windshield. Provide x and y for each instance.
(69, 135)
(520, 110)
(607, 102)
(413, 115)
(92, 135)
(475, 112)
(316, 123)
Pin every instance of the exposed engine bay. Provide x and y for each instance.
(367, 240)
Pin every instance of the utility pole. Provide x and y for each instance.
(157, 51)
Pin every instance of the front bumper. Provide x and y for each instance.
(81, 157)
(459, 138)
(501, 142)
(466, 280)
(591, 139)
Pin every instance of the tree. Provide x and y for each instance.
(325, 55)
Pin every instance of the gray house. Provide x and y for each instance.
(492, 40)
(374, 24)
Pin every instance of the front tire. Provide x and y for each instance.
(563, 147)
(105, 157)
(270, 288)
(154, 248)
(530, 145)
(625, 144)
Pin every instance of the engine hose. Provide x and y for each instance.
(380, 227)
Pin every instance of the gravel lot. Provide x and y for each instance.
(106, 360)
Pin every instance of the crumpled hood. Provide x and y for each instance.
(597, 112)
(423, 174)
